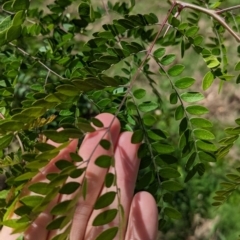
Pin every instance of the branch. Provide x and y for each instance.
(214, 14)
(227, 9)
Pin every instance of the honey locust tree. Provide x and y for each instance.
(64, 61)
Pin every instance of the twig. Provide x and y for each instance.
(227, 9)
(214, 14)
(105, 7)
(37, 60)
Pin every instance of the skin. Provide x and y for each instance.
(140, 211)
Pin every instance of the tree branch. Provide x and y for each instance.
(214, 14)
(227, 9)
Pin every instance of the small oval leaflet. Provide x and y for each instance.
(179, 112)
(137, 136)
(105, 200)
(69, 187)
(172, 186)
(168, 59)
(104, 161)
(159, 52)
(191, 97)
(176, 70)
(185, 82)
(108, 234)
(139, 93)
(203, 134)
(169, 172)
(147, 106)
(196, 110)
(201, 122)
(172, 213)
(5, 141)
(109, 180)
(207, 146)
(207, 80)
(105, 217)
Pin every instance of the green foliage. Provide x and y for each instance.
(60, 68)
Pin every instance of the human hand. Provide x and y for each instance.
(140, 211)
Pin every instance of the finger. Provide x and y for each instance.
(126, 165)
(37, 230)
(143, 218)
(94, 175)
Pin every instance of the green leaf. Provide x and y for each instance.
(206, 157)
(68, 90)
(191, 97)
(201, 122)
(196, 110)
(191, 160)
(190, 174)
(159, 52)
(147, 106)
(31, 201)
(168, 59)
(169, 172)
(5, 141)
(104, 161)
(110, 233)
(203, 134)
(191, 31)
(62, 164)
(149, 120)
(179, 112)
(84, 125)
(185, 82)
(109, 180)
(156, 134)
(40, 188)
(34, 112)
(206, 146)
(13, 33)
(172, 186)
(137, 136)
(237, 67)
(75, 157)
(173, 98)
(62, 207)
(42, 147)
(172, 213)
(20, 4)
(139, 93)
(63, 135)
(163, 147)
(105, 144)
(105, 217)
(176, 70)
(25, 176)
(207, 80)
(56, 223)
(96, 122)
(11, 126)
(69, 187)
(105, 200)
